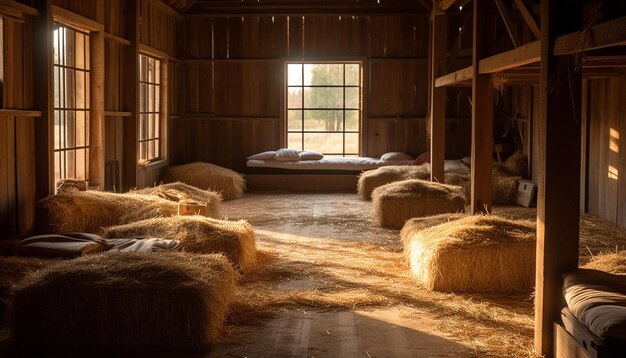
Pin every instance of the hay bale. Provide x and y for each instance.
(208, 177)
(372, 179)
(612, 262)
(478, 253)
(397, 202)
(504, 189)
(123, 303)
(198, 234)
(426, 222)
(181, 192)
(91, 211)
(516, 166)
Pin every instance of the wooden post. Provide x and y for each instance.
(559, 168)
(43, 100)
(437, 97)
(96, 104)
(130, 86)
(482, 115)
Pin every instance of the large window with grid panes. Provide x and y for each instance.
(150, 114)
(71, 102)
(324, 107)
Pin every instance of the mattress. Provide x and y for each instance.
(344, 163)
(598, 300)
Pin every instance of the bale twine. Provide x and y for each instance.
(197, 234)
(91, 211)
(612, 262)
(397, 202)
(115, 303)
(479, 253)
(372, 179)
(180, 192)
(207, 176)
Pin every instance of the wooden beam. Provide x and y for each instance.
(523, 55)
(20, 112)
(482, 116)
(437, 98)
(119, 39)
(529, 18)
(72, 19)
(96, 109)
(607, 34)
(42, 100)
(18, 6)
(507, 23)
(130, 58)
(462, 76)
(559, 168)
(445, 4)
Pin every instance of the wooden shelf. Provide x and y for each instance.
(117, 114)
(461, 77)
(20, 112)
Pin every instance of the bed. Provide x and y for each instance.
(293, 170)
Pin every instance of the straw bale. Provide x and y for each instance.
(91, 211)
(372, 179)
(515, 165)
(504, 189)
(478, 253)
(181, 192)
(198, 234)
(612, 262)
(208, 177)
(117, 302)
(397, 202)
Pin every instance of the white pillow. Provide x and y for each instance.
(287, 155)
(395, 157)
(310, 155)
(269, 155)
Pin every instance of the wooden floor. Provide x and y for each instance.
(393, 331)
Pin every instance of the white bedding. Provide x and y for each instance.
(344, 163)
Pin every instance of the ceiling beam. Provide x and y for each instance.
(507, 23)
(529, 18)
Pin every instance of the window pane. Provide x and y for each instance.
(80, 164)
(143, 126)
(57, 87)
(323, 120)
(70, 89)
(157, 98)
(80, 51)
(143, 68)
(294, 141)
(353, 74)
(70, 125)
(352, 120)
(151, 104)
(352, 97)
(294, 97)
(80, 85)
(70, 48)
(143, 97)
(81, 129)
(352, 143)
(294, 74)
(294, 120)
(57, 128)
(331, 143)
(323, 74)
(324, 97)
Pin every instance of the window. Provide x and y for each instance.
(71, 103)
(149, 108)
(324, 107)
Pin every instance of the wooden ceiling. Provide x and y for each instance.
(276, 7)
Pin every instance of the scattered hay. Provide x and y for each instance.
(197, 234)
(397, 202)
(70, 185)
(480, 253)
(372, 179)
(91, 211)
(207, 176)
(181, 192)
(612, 262)
(123, 302)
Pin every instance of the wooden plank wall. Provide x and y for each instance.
(234, 78)
(17, 156)
(606, 195)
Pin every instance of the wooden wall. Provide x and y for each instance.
(606, 138)
(234, 79)
(17, 128)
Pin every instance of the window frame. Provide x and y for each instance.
(162, 108)
(360, 108)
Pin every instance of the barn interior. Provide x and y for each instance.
(371, 178)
